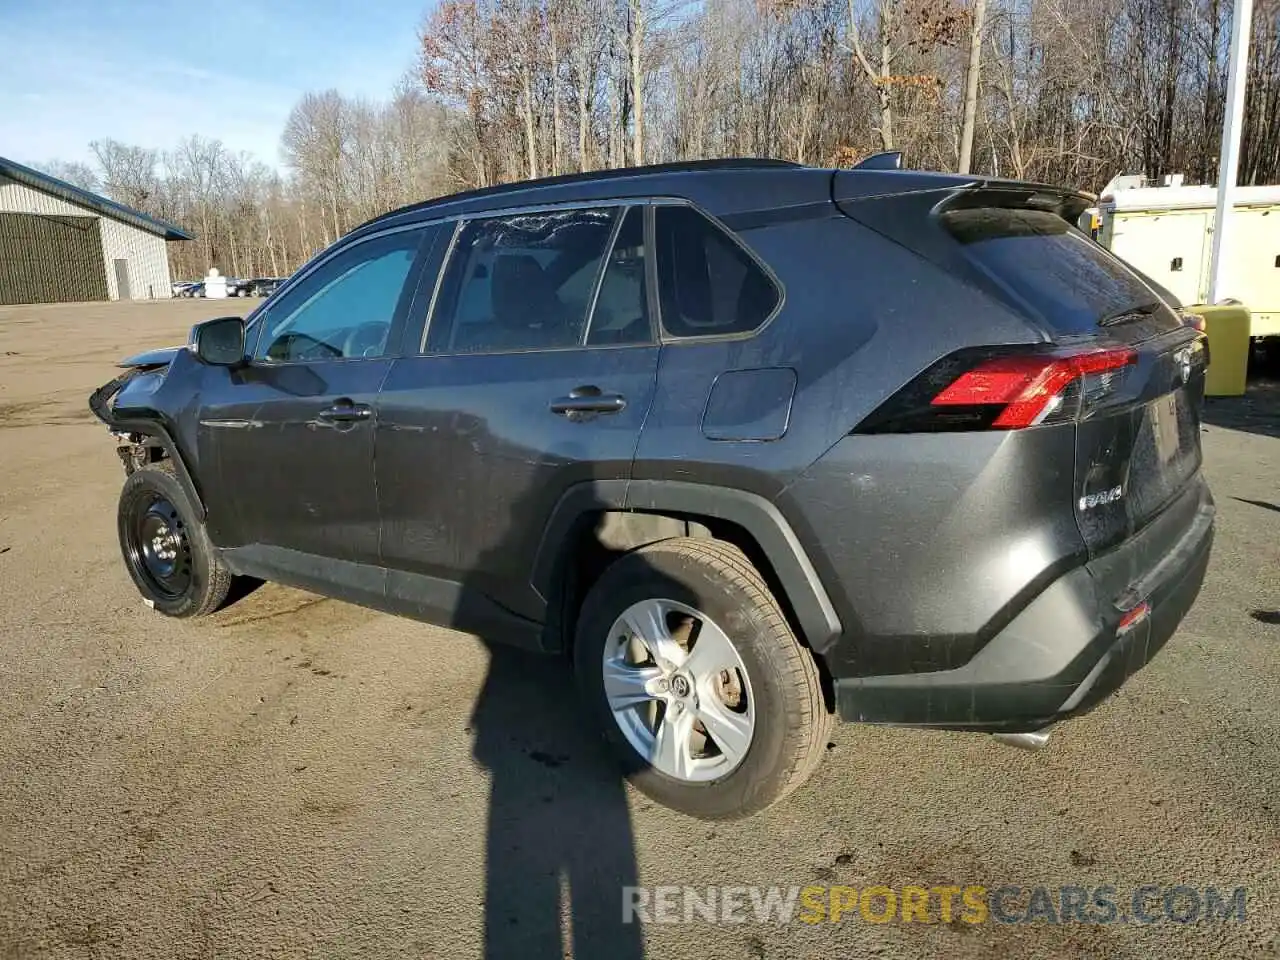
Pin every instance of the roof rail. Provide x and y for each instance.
(885, 160)
(591, 176)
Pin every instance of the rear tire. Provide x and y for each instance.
(766, 723)
(166, 550)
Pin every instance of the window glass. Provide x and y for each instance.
(622, 309)
(707, 284)
(345, 308)
(1074, 283)
(520, 283)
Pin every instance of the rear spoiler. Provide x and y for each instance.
(1069, 205)
(948, 190)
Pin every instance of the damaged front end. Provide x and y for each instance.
(140, 439)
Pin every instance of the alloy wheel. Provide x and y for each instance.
(679, 691)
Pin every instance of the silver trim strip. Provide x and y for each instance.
(604, 267)
(435, 290)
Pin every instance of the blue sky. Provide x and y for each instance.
(148, 72)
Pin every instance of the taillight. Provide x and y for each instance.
(1029, 388)
(978, 391)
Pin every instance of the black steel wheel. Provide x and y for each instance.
(157, 547)
(166, 550)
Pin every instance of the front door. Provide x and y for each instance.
(535, 373)
(291, 434)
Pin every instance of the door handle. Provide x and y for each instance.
(344, 411)
(587, 400)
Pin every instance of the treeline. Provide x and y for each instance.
(345, 159)
(1069, 91)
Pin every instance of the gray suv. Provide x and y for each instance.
(757, 445)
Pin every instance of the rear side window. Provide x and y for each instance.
(521, 282)
(1072, 282)
(708, 285)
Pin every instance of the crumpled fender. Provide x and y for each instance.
(145, 423)
(152, 358)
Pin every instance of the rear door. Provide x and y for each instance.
(1138, 432)
(535, 372)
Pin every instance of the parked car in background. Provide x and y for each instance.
(237, 287)
(264, 286)
(757, 445)
(191, 290)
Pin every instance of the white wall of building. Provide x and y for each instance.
(148, 261)
(19, 198)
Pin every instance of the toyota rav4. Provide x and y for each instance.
(757, 445)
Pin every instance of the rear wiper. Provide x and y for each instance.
(1130, 313)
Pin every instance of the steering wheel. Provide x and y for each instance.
(301, 346)
(366, 340)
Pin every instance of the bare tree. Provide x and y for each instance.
(637, 22)
(198, 164)
(585, 22)
(75, 173)
(971, 81)
(128, 173)
(877, 75)
(1069, 91)
(313, 145)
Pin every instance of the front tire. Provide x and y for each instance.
(686, 660)
(166, 550)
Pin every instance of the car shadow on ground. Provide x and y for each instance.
(1258, 411)
(1265, 505)
(559, 845)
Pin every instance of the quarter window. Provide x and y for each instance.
(707, 283)
(345, 308)
(521, 282)
(622, 311)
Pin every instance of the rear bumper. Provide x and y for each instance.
(1063, 654)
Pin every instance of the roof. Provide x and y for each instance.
(754, 185)
(591, 176)
(1185, 198)
(92, 201)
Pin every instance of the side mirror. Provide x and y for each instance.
(219, 342)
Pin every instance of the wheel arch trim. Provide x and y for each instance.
(761, 519)
(158, 431)
(148, 423)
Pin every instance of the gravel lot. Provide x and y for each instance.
(296, 776)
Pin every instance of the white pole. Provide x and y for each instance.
(1229, 161)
